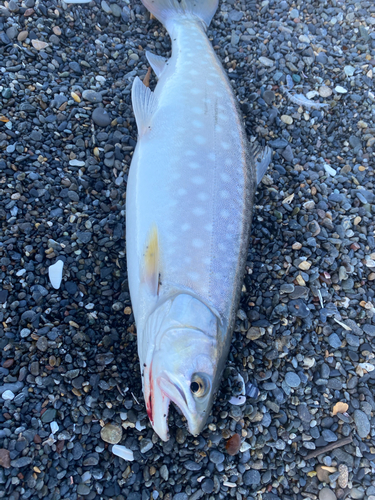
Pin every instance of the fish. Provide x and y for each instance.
(189, 204)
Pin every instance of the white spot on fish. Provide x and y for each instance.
(181, 192)
(187, 260)
(224, 213)
(185, 227)
(197, 110)
(211, 156)
(197, 179)
(228, 162)
(206, 261)
(203, 196)
(225, 145)
(224, 194)
(218, 128)
(193, 276)
(218, 94)
(197, 123)
(200, 139)
(225, 177)
(195, 91)
(193, 72)
(221, 107)
(222, 116)
(199, 211)
(208, 227)
(221, 247)
(207, 100)
(197, 243)
(194, 165)
(210, 83)
(189, 152)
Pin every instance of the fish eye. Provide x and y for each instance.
(199, 385)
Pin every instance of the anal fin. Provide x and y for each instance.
(262, 158)
(157, 63)
(144, 104)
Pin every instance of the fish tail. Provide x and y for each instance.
(165, 10)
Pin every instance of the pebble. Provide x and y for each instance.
(327, 494)
(216, 457)
(292, 379)
(123, 452)
(251, 478)
(325, 91)
(101, 117)
(286, 119)
(55, 274)
(7, 395)
(111, 433)
(4, 458)
(362, 423)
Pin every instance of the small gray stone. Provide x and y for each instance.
(101, 117)
(111, 433)
(216, 457)
(292, 379)
(145, 445)
(362, 423)
(42, 344)
(92, 96)
(327, 494)
(334, 341)
(83, 489)
(48, 416)
(251, 478)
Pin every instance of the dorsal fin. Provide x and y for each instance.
(157, 63)
(144, 105)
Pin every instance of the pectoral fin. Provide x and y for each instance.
(144, 105)
(262, 158)
(151, 262)
(157, 63)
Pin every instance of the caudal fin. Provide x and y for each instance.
(169, 9)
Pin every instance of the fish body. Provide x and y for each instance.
(189, 205)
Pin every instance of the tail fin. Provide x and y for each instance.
(167, 9)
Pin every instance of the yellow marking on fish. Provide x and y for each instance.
(151, 263)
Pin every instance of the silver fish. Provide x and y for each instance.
(188, 213)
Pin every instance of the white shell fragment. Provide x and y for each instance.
(329, 170)
(123, 452)
(340, 90)
(54, 427)
(55, 274)
(238, 401)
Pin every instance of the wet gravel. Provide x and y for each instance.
(69, 376)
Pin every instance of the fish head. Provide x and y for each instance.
(183, 369)
(182, 373)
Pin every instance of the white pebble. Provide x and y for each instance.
(21, 272)
(340, 90)
(241, 400)
(123, 452)
(54, 427)
(139, 426)
(245, 446)
(8, 395)
(155, 494)
(77, 163)
(329, 170)
(55, 274)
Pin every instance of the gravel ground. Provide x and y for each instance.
(305, 335)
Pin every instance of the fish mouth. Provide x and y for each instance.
(171, 391)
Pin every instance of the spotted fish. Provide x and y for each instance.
(188, 213)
